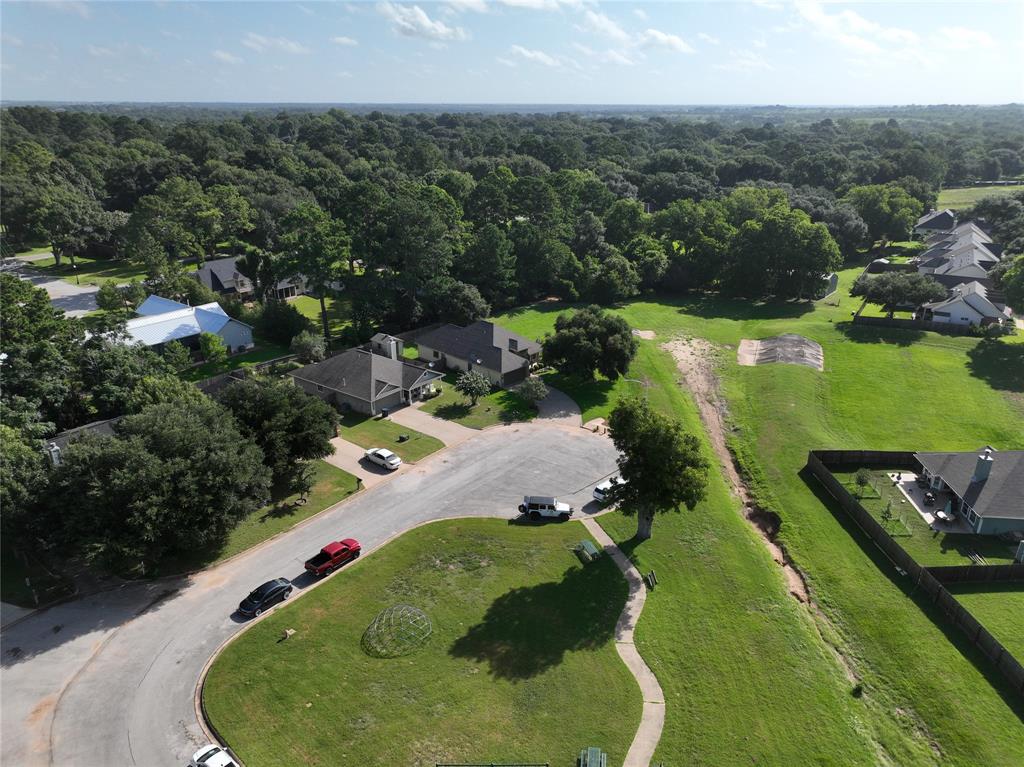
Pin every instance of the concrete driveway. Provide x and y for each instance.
(74, 300)
(110, 679)
(449, 432)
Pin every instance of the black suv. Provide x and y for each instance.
(266, 596)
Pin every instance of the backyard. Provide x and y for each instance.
(331, 485)
(998, 606)
(337, 312)
(869, 396)
(965, 197)
(522, 642)
(368, 432)
(926, 546)
(264, 352)
(94, 271)
(500, 406)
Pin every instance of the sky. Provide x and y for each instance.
(797, 52)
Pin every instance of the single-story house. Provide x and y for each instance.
(970, 263)
(967, 304)
(986, 486)
(223, 276)
(365, 381)
(501, 355)
(935, 221)
(161, 320)
(57, 444)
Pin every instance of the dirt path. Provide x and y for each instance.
(652, 721)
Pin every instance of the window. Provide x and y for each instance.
(513, 345)
(319, 387)
(436, 355)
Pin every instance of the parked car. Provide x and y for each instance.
(541, 506)
(601, 491)
(265, 597)
(332, 556)
(383, 457)
(212, 756)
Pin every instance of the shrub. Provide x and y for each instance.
(279, 322)
(309, 347)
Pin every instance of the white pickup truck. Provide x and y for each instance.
(543, 506)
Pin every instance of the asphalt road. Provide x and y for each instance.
(109, 679)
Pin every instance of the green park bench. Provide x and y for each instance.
(593, 757)
(587, 551)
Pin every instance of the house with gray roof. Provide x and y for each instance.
(968, 304)
(985, 487)
(935, 221)
(501, 355)
(162, 320)
(365, 381)
(224, 276)
(57, 444)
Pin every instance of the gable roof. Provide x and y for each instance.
(1000, 495)
(936, 219)
(220, 274)
(975, 295)
(364, 375)
(160, 327)
(158, 305)
(483, 343)
(101, 428)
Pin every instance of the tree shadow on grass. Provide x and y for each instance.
(715, 306)
(873, 334)
(587, 394)
(954, 635)
(998, 363)
(528, 630)
(453, 411)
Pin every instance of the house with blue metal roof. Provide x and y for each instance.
(162, 320)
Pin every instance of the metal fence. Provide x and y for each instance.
(929, 580)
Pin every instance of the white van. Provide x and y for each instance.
(542, 506)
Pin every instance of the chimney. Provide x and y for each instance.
(983, 467)
(392, 347)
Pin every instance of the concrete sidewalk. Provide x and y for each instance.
(652, 721)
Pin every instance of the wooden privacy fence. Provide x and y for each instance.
(929, 580)
(946, 328)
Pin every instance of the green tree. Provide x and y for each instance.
(110, 299)
(472, 384)
(889, 211)
(23, 480)
(623, 221)
(177, 356)
(663, 466)
(280, 322)
(533, 390)
(895, 289)
(212, 348)
(288, 425)
(1012, 282)
(159, 389)
(591, 340)
(316, 246)
(235, 211)
(308, 347)
(176, 478)
(490, 263)
(616, 280)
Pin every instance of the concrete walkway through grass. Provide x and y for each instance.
(559, 407)
(641, 751)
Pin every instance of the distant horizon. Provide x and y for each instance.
(619, 105)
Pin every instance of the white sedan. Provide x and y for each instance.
(212, 756)
(384, 458)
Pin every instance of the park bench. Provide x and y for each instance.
(593, 757)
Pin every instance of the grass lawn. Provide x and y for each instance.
(263, 352)
(14, 570)
(926, 546)
(337, 312)
(521, 664)
(331, 485)
(882, 388)
(499, 406)
(382, 432)
(94, 271)
(998, 606)
(965, 197)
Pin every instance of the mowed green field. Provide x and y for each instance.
(965, 197)
(521, 665)
(381, 432)
(499, 406)
(998, 606)
(880, 389)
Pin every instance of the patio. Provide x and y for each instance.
(907, 483)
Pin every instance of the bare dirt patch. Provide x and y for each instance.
(647, 335)
(790, 348)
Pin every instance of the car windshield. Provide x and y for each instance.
(208, 755)
(262, 591)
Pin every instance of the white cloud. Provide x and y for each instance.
(99, 51)
(170, 35)
(655, 38)
(262, 44)
(412, 21)
(854, 32)
(744, 61)
(602, 25)
(11, 40)
(344, 75)
(82, 10)
(536, 56)
(307, 11)
(542, 5)
(640, 13)
(609, 56)
(760, 42)
(769, 5)
(962, 39)
(477, 6)
(227, 58)
(342, 40)
(506, 62)
(709, 39)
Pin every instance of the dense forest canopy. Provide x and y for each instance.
(424, 216)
